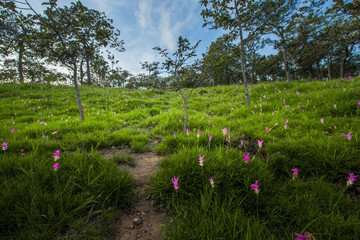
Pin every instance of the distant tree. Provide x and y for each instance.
(15, 31)
(221, 61)
(175, 62)
(280, 17)
(118, 77)
(153, 70)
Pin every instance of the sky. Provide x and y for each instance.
(144, 24)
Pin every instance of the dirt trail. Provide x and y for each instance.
(144, 220)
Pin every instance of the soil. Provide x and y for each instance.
(144, 220)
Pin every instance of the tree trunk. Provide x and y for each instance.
(81, 71)
(243, 68)
(42, 89)
(286, 64)
(343, 60)
(20, 63)
(77, 92)
(185, 108)
(329, 67)
(88, 70)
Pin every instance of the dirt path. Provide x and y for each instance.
(143, 221)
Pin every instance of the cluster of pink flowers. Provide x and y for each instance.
(255, 187)
(56, 155)
(306, 236)
(348, 136)
(201, 160)
(285, 125)
(4, 146)
(351, 179)
(295, 173)
(175, 180)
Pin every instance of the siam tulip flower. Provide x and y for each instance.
(188, 131)
(247, 157)
(212, 181)
(4, 146)
(260, 143)
(224, 131)
(56, 155)
(201, 160)
(295, 173)
(267, 129)
(307, 236)
(348, 136)
(198, 134)
(175, 180)
(55, 166)
(285, 125)
(210, 137)
(255, 187)
(351, 179)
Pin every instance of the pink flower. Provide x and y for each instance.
(210, 137)
(4, 146)
(307, 236)
(267, 129)
(212, 181)
(201, 160)
(175, 180)
(255, 187)
(358, 103)
(247, 157)
(348, 136)
(56, 155)
(260, 143)
(334, 105)
(351, 179)
(224, 131)
(54, 132)
(295, 173)
(188, 131)
(285, 125)
(55, 166)
(322, 120)
(198, 134)
(13, 130)
(227, 139)
(89, 155)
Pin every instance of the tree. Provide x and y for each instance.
(153, 72)
(280, 17)
(236, 16)
(220, 63)
(175, 62)
(15, 29)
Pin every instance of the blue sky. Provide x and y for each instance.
(147, 23)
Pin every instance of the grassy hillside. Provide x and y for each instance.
(74, 199)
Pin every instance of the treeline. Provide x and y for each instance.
(312, 39)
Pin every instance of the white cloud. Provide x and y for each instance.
(143, 13)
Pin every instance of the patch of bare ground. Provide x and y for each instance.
(144, 220)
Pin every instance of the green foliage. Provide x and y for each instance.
(317, 201)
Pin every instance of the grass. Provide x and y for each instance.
(79, 200)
